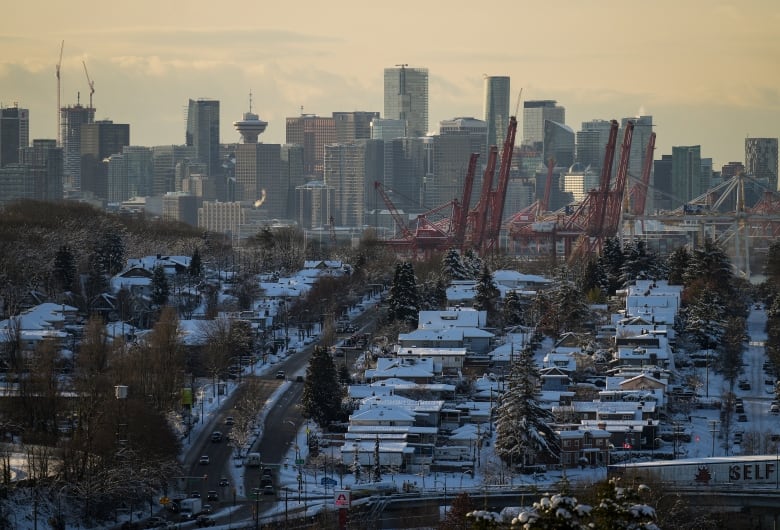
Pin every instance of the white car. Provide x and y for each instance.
(204, 460)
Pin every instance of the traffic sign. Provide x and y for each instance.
(299, 461)
(342, 498)
(165, 500)
(328, 481)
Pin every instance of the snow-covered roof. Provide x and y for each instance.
(43, 316)
(457, 318)
(375, 414)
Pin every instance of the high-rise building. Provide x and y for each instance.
(130, 174)
(535, 113)
(688, 179)
(558, 143)
(314, 204)
(761, 160)
(592, 143)
(14, 133)
(404, 173)
(313, 133)
(100, 140)
(345, 173)
(406, 98)
(221, 217)
(496, 108)
(386, 129)
(258, 174)
(37, 175)
(166, 159)
(72, 118)
(203, 133)
(353, 126)
(292, 176)
(662, 190)
(452, 150)
(731, 169)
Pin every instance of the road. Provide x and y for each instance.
(281, 425)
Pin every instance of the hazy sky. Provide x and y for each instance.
(707, 71)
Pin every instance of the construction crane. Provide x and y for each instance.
(90, 82)
(59, 95)
(639, 190)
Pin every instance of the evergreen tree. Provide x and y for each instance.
(403, 301)
(110, 252)
(486, 293)
(772, 264)
(512, 311)
(160, 287)
(455, 519)
(195, 269)
(472, 265)
(377, 467)
(677, 264)
(593, 281)
(322, 392)
(710, 266)
(452, 266)
(705, 319)
(523, 433)
(64, 273)
(611, 262)
(621, 509)
(639, 263)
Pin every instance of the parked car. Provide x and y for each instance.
(268, 490)
(204, 460)
(742, 418)
(280, 374)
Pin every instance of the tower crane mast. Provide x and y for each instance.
(58, 67)
(90, 82)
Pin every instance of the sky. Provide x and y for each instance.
(706, 70)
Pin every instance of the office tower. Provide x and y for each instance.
(643, 127)
(374, 152)
(203, 133)
(292, 176)
(314, 204)
(558, 143)
(180, 207)
(313, 133)
(662, 189)
(353, 126)
(72, 118)
(386, 129)
(100, 140)
(592, 144)
(406, 98)
(731, 169)
(165, 160)
(496, 109)
(130, 174)
(687, 176)
(451, 153)
(221, 217)
(37, 174)
(761, 160)
(404, 173)
(535, 113)
(14, 133)
(345, 173)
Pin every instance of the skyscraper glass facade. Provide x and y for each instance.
(406, 98)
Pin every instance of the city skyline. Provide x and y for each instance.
(706, 72)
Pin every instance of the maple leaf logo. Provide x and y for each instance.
(703, 475)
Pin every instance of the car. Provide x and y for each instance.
(230, 420)
(739, 408)
(268, 490)
(280, 374)
(774, 409)
(224, 482)
(206, 509)
(216, 437)
(267, 472)
(155, 522)
(742, 418)
(204, 460)
(744, 385)
(211, 495)
(299, 379)
(195, 495)
(204, 520)
(256, 492)
(266, 481)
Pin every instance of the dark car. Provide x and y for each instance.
(204, 520)
(223, 482)
(742, 418)
(216, 437)
(212, 495)
(195, 495)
